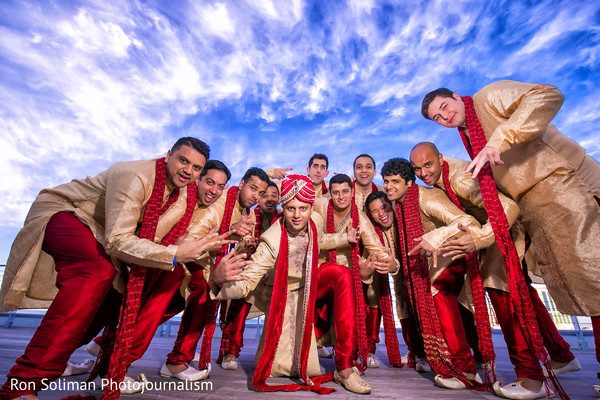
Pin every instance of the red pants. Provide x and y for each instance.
(193, 320)
(162, 302)
(596, 331)
(471, 334)
(85, 277)
(336, 286)
(449, 284)
(557, 346)
(234, 326)
(412, 337)
(373, 324)
(521, 356)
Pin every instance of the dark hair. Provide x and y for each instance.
(215, 164)
(398, 166)
(340, 178)
(257, 172)
(194, 143)
(273, 184)
(319, 156)
(429, 97)
(363, 155)
(374, 196)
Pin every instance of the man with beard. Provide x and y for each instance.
(84, 230)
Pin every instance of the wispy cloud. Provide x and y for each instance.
(266, 83)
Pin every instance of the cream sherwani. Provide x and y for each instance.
(440, 222)
(554, 184)
(360, 196)
(112, 205)
(258, 287)
(493, 267)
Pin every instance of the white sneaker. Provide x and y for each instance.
(196, 357)
(514, 390)
(323, 352)
(421, 365)
(78, 368)
(229, 362)
(571, 366)
(372, 361)
(189, 374)
(452, 382)
(92, 348)
(596, 388)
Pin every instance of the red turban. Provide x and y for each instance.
(298, 186)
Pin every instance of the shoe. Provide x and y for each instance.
(372, 361)
(128, 386)
(354, 383)
(196, 357)
(596, 388)
(516, 391)
(323, 352)
(421, 365)
(78, 368)
(404, 359)
(571, 366)
(190, 374)
(93, 348)
(452, 382)
(229, 362)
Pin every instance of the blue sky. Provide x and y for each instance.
(265, 83)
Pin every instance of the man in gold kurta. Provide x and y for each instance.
(337, 213)
(69, 253)
(440, 220)
(364, 172)
(555, 184)
(428, 164)
(282, 280)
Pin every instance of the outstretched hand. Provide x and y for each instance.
(486, 155)
(366, 266)
(353, 234)
(385, 264)
(229, 268)
(459, 247)
(280, 173)
(243, 227)
(190, 250)
(427, 248)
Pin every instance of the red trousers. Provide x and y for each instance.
(233, 327)
(85, 277)
(596, 331)
(413, 338)
(449, 285)
(336, 288)
(373, 324)
(195, 316)
(163, 301)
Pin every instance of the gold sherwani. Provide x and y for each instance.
(258, 287)
(440, 222)
(112, 205)
(554, 184)
(493, 267)
(360, 196)
(206, 218)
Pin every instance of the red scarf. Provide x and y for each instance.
(276, 313)
(519, 292)
(323, 187)
(137, 274)
(482, 319)
(361, 307)
(385, 304)
(211, 324)
(416, 271)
